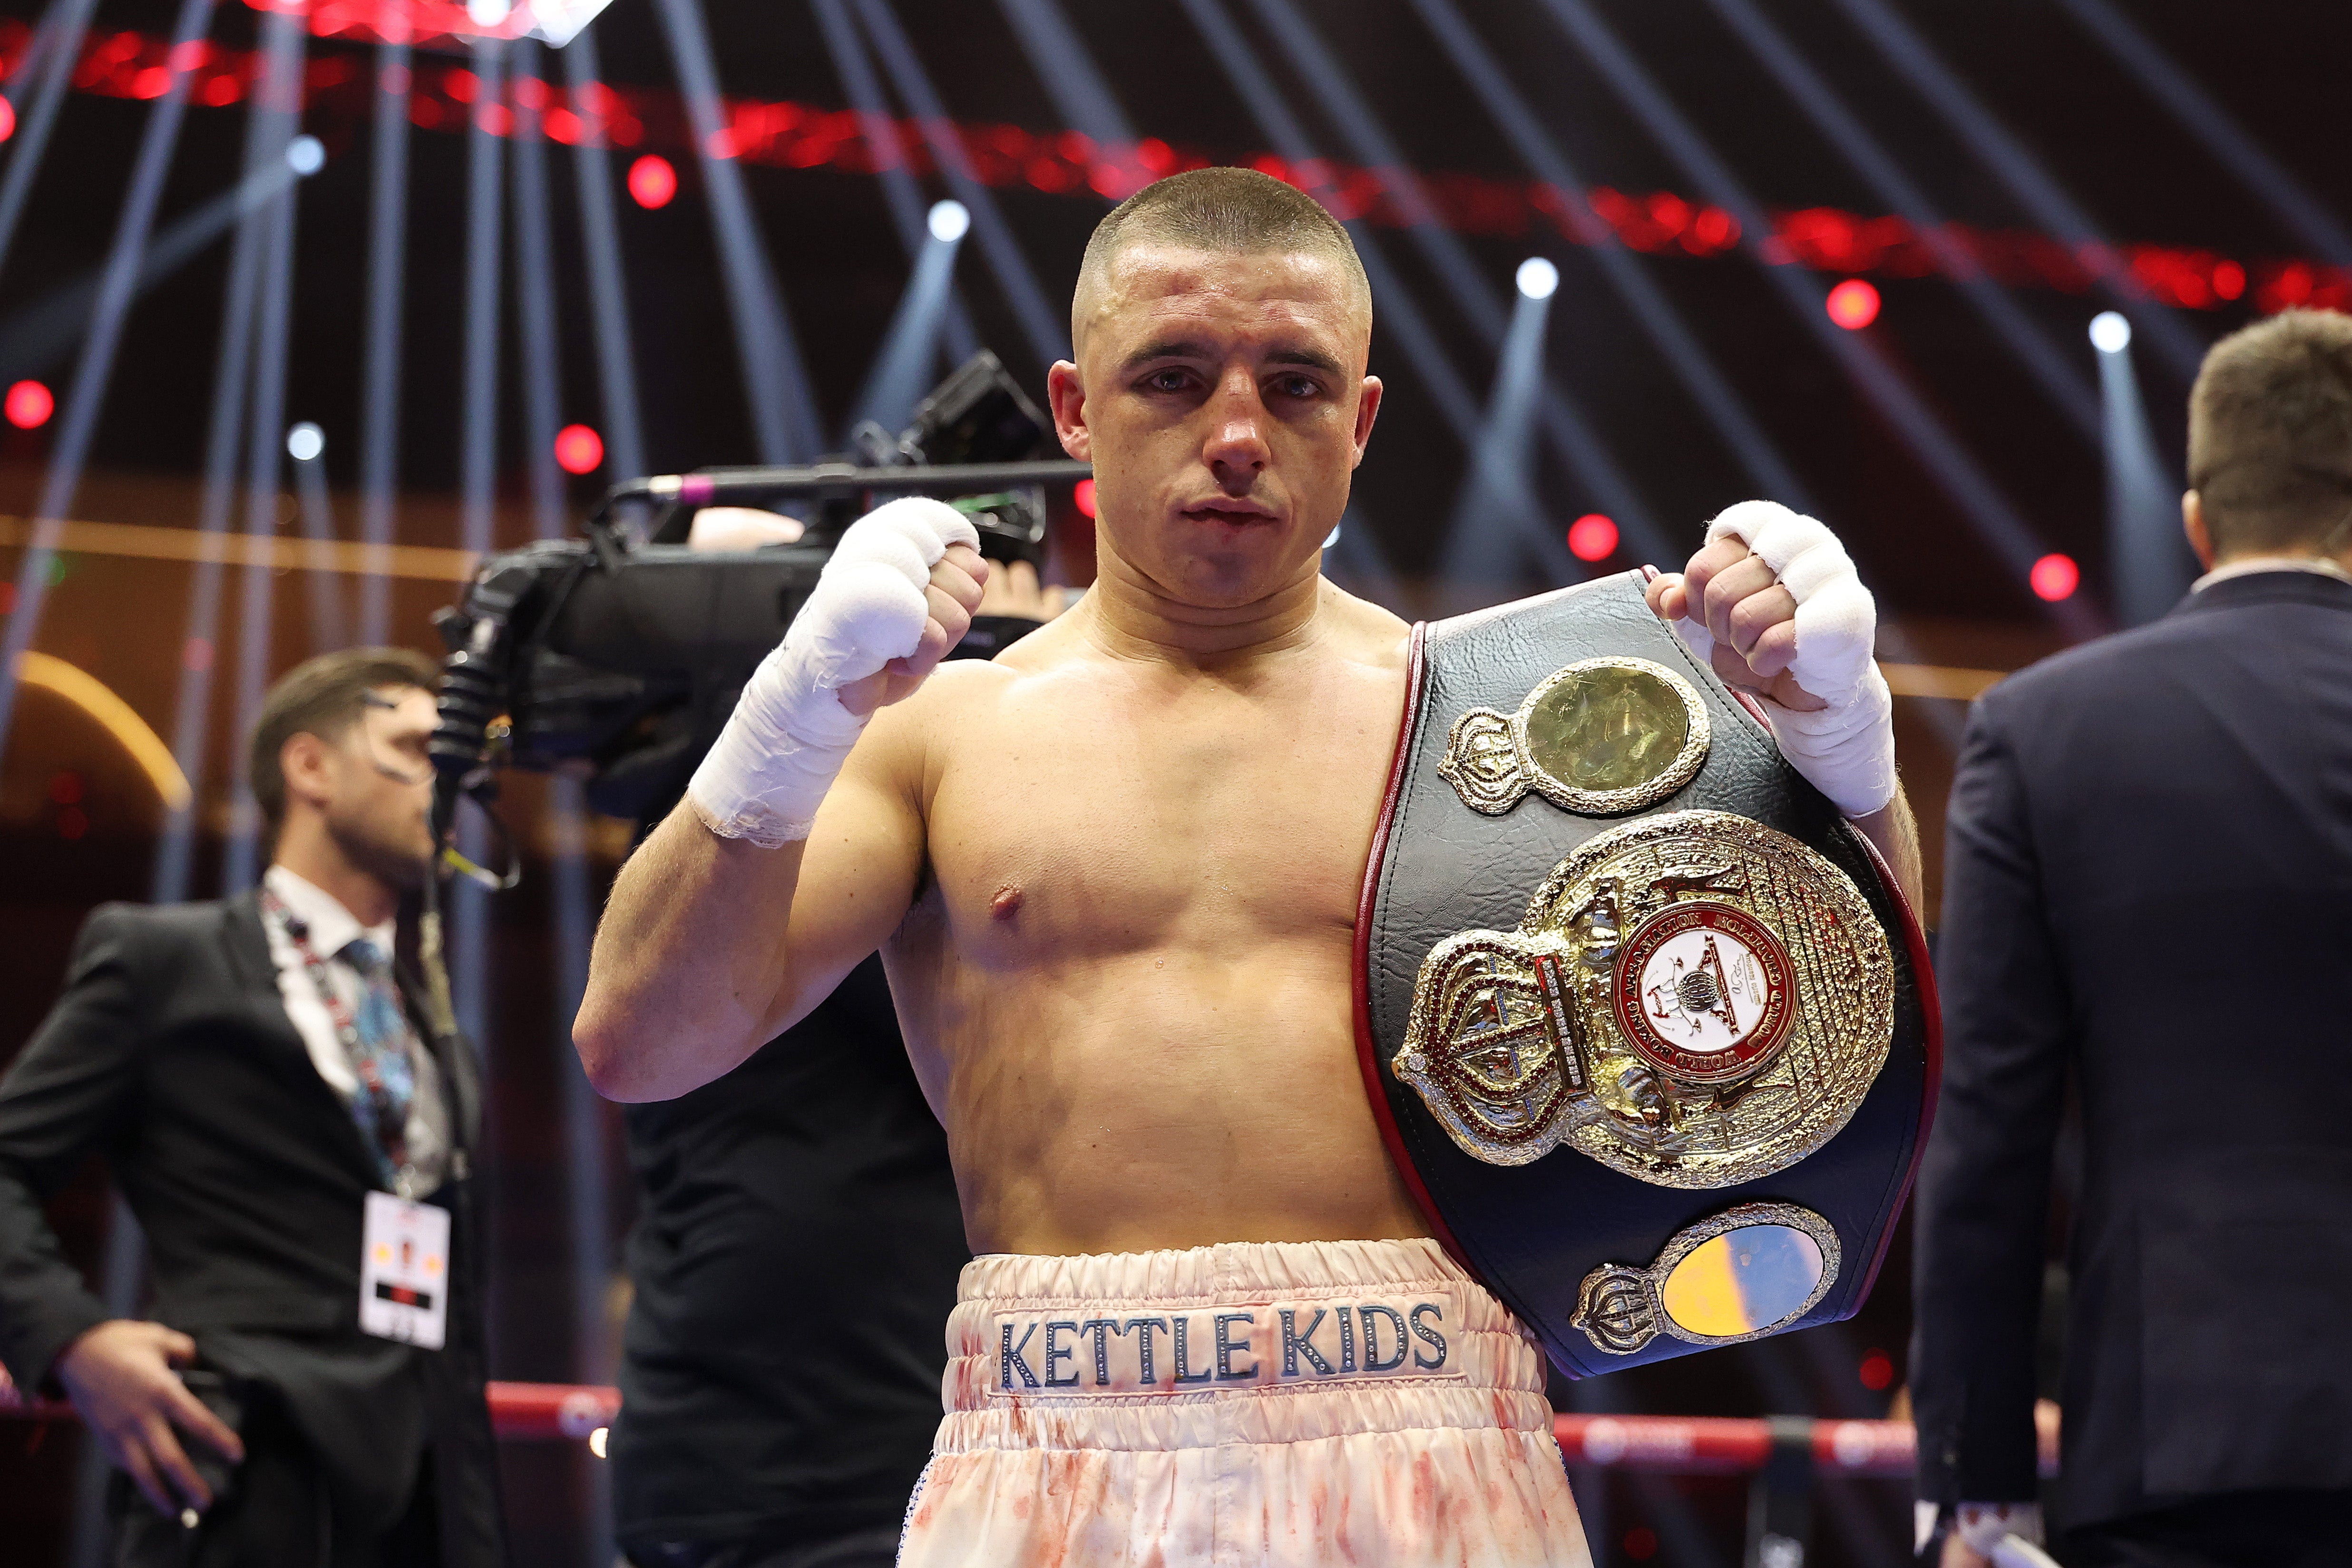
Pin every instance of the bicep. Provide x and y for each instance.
(859, 869)
(2007, 1009)
(80, 1068)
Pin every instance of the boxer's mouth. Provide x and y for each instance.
(1233, 513)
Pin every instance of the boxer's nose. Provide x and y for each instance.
(1236, 451)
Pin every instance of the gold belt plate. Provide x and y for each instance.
(1694, 999)
(1600, 737)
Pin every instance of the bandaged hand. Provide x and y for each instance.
(898, 593)
(1773, 603)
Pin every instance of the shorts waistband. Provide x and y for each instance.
(1245, 1342)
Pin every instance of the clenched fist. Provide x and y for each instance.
(1772, 601)
(896, 595)
(951, 599)
(1735, 595)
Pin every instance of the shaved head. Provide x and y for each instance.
(1233, 211)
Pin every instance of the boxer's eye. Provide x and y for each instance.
(1167, 380)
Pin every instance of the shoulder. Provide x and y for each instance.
(155, 926)
(144, 943)
(2101, 669)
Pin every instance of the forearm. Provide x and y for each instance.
(1894, 831)
(44, 1304)
(690, 961)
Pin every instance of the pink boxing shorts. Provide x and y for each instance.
(1263, 1403)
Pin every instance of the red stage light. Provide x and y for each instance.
(578, 449)
(2054, 577)
(1853, 303)
(8, 120)
(652, 180)
(196, 654)
(1877, 1371)
(28, 405)
(1083, 493)
(1592, 537)
(65, 788)
(1641, 1543)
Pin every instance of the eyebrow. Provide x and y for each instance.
(1192, 349)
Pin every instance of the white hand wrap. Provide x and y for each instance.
(789, 733)
(1846, 749)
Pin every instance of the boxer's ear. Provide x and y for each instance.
(1368, 409)
(1067, 395)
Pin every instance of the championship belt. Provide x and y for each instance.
(1647, 1026)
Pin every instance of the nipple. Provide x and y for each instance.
(1006, 904)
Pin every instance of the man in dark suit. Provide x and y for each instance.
(2148, 886)
(269, 1092)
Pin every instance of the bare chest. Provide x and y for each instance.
(1127, 815)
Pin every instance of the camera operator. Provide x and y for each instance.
(293, 1133)
(737, 1446)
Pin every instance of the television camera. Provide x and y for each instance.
(618, 655)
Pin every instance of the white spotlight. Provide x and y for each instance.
(487, 12)
(1333, 542)
(2110, 333)
(305, 441)
(1538, 277)
(950, 221)
(306, 155)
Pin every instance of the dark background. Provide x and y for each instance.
(78, 825)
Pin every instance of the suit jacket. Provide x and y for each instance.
(2148, 885)
(170, 1052)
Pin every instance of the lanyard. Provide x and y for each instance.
(400, 1178)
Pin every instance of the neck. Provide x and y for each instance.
(1135, 617)
(310, 853)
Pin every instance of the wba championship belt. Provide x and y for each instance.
(1648, 1026)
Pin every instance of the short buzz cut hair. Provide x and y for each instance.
(2270, 434)
(1238, 212)
(324, 696)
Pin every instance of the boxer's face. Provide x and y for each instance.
(1222, 401)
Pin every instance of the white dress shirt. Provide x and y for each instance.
(332, 928)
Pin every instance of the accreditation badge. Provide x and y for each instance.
(404, 1271)
(1650, 1031)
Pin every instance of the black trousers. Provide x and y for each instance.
(2230, 1530)
(275, 1512)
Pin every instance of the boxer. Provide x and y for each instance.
(1113, 876)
